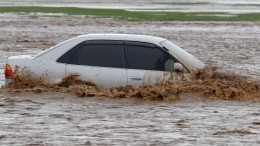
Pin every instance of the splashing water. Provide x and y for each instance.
(208, 82)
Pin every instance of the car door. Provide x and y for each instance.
(101, 62)
(148, 64)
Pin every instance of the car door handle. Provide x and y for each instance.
(136, 78)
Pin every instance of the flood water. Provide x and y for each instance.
(230, 6)
(54, 118)
(62, 119)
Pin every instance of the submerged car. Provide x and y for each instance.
(109, 60)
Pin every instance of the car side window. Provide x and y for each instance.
(148, 57)
(65, 58)
(103, 55)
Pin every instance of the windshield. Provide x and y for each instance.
(182, 55)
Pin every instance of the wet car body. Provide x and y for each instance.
(108, 59)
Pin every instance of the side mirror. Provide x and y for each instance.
(178, 67)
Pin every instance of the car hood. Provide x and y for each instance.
(189, 61)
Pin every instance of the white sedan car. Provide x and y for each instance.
(109, 60)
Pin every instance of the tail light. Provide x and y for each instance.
(8, 71)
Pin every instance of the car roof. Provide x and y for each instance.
(125, 37)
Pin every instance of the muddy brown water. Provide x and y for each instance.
(64, 119)
(56, 118)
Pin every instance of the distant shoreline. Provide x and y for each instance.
(134, 15)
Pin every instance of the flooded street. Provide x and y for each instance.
(62, 119)
(234, 46)
(55, 118)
